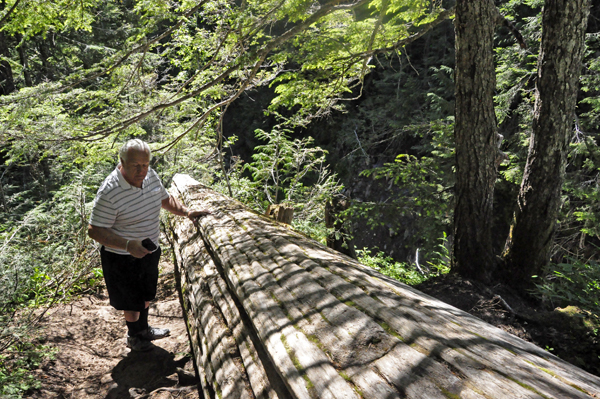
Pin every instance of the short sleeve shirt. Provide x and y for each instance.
(130, 212)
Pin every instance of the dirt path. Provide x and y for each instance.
(93, 361)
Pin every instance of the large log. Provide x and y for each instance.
(274, 314)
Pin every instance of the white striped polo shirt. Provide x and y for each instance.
(130, 212)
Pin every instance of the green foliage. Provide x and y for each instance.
(46, 258)
(421, 187)
(589, 85)
(214, 51)
(515, 99)
(582, 185)
(402, 96)
(516, 71)
(43, 253)
(441, 256)
(336, 52)
(400, 271)
(314, 228)
(386, 265)
(293, 172)
(438, 264)
(194, 155)
(32, 17)
(16, 365)
(576, 283)
(581, 210)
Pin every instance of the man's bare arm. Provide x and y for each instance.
(109, 238)
(172, 205)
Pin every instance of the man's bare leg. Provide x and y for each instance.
(133, 316)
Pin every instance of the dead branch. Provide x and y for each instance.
(134, 71)
(134, 392)
(504, 305)
(501, 20)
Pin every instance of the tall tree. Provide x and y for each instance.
(529, 244)
(475, 136)
(7, 82)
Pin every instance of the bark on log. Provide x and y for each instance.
(273, 314)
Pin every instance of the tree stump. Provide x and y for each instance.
(273, 314)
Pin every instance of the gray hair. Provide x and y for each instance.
(134, 144)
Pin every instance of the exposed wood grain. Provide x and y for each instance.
(333, 328)
(217, 356)
(256, 372)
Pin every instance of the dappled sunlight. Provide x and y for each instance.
(331, 327)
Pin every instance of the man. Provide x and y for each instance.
(125, 213)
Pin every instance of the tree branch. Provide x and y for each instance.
(261, 54)
(133, 72)
(502, 20)
(5, 17)
(444, 15)
(238, 63)
(206, 65)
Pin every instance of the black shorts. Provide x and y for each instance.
(130, 281)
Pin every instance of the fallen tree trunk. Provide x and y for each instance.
(273, 314)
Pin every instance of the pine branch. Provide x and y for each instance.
(261, 55)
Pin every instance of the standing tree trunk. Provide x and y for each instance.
(529, 244)
(340, 239)
(7, 83)
(24, 62)
(476, 138)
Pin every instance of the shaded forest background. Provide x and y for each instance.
(293, 102)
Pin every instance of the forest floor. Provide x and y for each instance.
(92, 360)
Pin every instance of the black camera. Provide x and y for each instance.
(149, 245)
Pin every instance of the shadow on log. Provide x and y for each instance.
(273, 314)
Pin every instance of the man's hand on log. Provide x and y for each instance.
(194, 214)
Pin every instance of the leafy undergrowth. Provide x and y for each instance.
(400, 271)
(568, 333)
(16, 365)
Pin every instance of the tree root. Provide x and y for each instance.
(137, 393)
